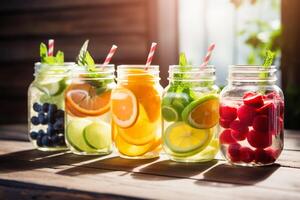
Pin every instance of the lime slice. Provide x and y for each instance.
(169, 113)
(202, 113)
(186, 140)
(74, 133)
(97, 135)
(52, 86)
(210, 151)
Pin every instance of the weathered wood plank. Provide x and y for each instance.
(32, 5)
(130, 19)
(131, 48)
(140, 185)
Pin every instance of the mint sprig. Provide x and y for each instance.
(268, 61)
(85, 59)
(50, 60)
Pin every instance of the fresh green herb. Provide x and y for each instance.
(50, 60)
(85, 59)
(268, 61)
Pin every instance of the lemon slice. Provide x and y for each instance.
(184, 139)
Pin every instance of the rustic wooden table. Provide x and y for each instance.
(26, 173)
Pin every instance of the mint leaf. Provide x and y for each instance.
(59, 58)
(43, 52)
(82, 53)
(89, 61)
(270, 56)
(182, 60)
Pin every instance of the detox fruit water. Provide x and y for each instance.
(136, 112)
(46, 106)
(251, 116)
(190, 114)
(88, 116)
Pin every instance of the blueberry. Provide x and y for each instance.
(41, 132)
(58, 125)
(46, 141)
(59, 114)
(45, 107)
(37, 107)
(52, 108)
(35, 120)
(61, 139)
(51, 113)
(33, 135)
(39, 141)
(50, 129)
(42, 118)
(55, 140)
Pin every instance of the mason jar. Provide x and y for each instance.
(46, 106)
(190, 110)
(136, 111)
(88, 116)
(251, 116)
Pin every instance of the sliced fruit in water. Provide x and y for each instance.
(124, 107)
(182, 138)
(169, 113)
(52, 86)
(142, 132)
(75, 130)
(83, 98)
(202, 113)
(98, 135)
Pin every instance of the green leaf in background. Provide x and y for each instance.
(182, 60)
(59, 58)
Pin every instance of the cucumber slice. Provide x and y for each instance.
(52, 86)
(74, 133)
(98, 135)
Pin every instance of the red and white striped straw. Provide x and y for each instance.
(208, 55)
(50, 47)
(110, 54)
(150, 55)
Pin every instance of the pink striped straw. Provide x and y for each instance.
(110, 54)
(50, 47)
(150, 55)
(208, 55)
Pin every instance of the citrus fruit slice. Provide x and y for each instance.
(124, 107)
(184, 139)
(169, 113)
(52, 86)
(202, 113)
(142, 132)
(129, 149)
(83, 99)
(75, 129)
(98, 135)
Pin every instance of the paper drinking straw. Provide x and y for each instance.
(110, 54)
(50, 47)
(208, 55)
(150, 55)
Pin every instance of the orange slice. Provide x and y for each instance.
(142, 132)
(83, 100)
(124, 107)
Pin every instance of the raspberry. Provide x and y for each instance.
(263, 156)
(255, 100)
(228, 113)
(234, 152)
(246, 154)
(226, 138)
(246, 114)
(259, 139)
(224, 123)
(239, 130)
(261, 123)
(267, 109)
